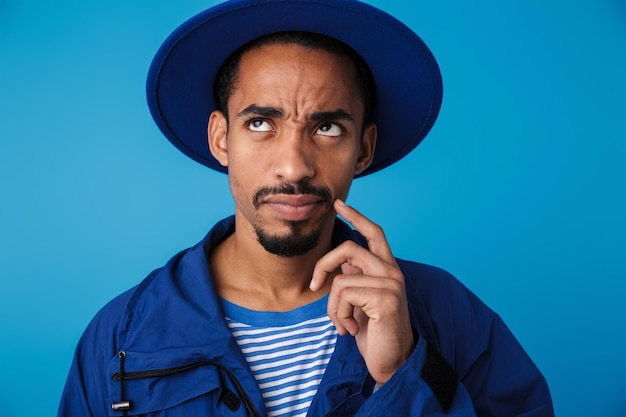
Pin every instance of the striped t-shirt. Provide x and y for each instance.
(287, 352)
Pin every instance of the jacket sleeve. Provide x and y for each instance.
(86, 387)
(502, 378)
(425, 386)
(498, 374)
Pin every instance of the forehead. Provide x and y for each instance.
(291, 68)
(275, 55)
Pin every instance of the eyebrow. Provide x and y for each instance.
(338, 114)
(275, 112)
(255, 109)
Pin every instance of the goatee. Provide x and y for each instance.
(294, 243)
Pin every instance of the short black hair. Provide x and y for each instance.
(229, 71)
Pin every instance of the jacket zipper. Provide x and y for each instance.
(155, 373)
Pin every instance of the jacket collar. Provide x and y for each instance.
(174, 318)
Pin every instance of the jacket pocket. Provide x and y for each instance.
(139, 384)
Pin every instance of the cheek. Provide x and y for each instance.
(240, 195)
(339, 167)
(341, 179)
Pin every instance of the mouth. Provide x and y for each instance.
(297, 207)
(293, 202)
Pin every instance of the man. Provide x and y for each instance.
(283, 309)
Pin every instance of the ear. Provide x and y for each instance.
(217, 132)
(368, 146)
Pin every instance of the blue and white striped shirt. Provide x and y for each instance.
(287, 352)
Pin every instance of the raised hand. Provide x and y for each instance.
(367, 298)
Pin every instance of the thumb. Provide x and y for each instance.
(348, 269)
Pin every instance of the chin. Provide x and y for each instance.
(294, 242)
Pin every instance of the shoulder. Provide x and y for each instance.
(114, 319)
(484, 353)
(111, 321)
(102, 333)
(446, 312)
(434, 286)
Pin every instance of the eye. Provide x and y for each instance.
(259, 125)
(329, 129)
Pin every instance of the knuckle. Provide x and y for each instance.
(394, 272)
(377, 231)
(351, 292)
(397, 286)
(350, 244)
(339, 282)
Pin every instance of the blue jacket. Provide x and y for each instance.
(164, 346)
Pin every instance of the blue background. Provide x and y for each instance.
(518, 190)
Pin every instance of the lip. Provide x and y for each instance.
(292, 207)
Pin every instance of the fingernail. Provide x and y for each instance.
(340, 202)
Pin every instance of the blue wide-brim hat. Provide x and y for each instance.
(182, 74)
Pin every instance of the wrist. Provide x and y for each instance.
(415, 339)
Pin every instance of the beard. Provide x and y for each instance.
(295, 242)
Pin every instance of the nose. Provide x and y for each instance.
(293, 159)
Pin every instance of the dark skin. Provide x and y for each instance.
(295, 115)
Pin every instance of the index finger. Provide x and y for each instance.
(373, 233)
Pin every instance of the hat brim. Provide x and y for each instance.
(408, 82)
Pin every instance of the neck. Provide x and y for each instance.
(247, 275)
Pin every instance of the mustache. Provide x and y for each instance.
(300, 188)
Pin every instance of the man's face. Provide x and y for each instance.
(293, 143)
